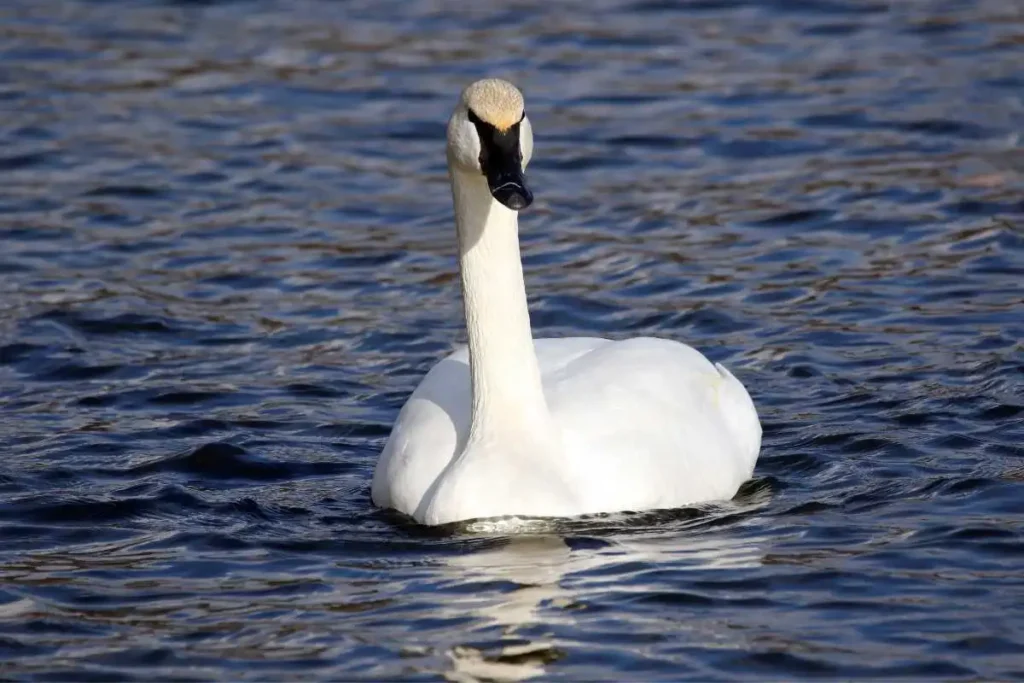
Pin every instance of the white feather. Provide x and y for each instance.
(555, 427)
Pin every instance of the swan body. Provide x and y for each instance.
(509, 425)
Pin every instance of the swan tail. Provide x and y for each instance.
(740, 414)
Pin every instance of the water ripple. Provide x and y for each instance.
(228, 260)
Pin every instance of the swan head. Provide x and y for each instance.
(489, 135)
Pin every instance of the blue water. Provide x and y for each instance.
(227, 258)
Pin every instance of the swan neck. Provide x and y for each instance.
(506, 381)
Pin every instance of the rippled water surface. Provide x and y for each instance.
(227, 258)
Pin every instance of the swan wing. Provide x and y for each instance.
(425, 436)
(651, 423)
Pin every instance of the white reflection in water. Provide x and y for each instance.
(551, 578)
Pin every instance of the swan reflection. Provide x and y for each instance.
(532, 585)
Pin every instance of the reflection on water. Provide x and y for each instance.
(534, 567)
(228, 258)
(545, 582)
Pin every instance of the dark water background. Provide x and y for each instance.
(227, 258)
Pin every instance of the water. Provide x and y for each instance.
(228, 258)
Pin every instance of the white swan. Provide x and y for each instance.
(550, 427)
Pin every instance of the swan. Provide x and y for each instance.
(513, 426)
